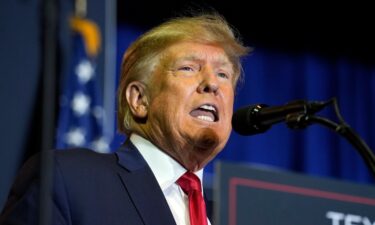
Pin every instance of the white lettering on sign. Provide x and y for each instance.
(338, 218)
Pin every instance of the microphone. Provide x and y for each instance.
(258, 118)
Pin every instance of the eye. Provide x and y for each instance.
(223, 75)
(186, 68)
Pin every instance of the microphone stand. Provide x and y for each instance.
(302, 120)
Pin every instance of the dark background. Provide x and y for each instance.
(328, 30)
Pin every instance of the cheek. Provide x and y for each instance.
(229, 102)
(167, 107)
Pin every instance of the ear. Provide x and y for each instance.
(137, 99)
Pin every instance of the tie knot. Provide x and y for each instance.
(189, 182)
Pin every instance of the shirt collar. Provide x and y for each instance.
(165, 168)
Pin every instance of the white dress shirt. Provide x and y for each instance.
(167, 171)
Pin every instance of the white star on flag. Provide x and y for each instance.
(97, 112)
(84, 71)
(75, 137)
(80, 103)
(100, 145)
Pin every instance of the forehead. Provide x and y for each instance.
(197, 52)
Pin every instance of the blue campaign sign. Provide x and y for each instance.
(246, 194)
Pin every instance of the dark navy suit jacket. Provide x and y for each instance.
(92, 188)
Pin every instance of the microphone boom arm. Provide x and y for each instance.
(297, 121)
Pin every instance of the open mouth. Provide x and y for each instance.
(206, 112)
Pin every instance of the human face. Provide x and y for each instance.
(191, 103)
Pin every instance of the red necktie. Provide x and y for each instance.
(191, 185)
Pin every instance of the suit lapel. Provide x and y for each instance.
(142, 186)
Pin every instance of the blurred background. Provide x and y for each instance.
(60, 62)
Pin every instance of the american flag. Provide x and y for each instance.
(81, 114)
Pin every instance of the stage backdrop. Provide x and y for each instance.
(275, 78)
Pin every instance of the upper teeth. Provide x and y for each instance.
(208, 107)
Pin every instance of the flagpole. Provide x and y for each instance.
(109, 88)
(49, 51)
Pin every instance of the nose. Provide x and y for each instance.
(209, 83)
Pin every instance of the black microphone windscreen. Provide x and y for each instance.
(244, 120)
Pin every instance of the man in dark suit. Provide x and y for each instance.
(175, 103)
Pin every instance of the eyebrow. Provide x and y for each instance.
(189, 58)
(221, 61)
